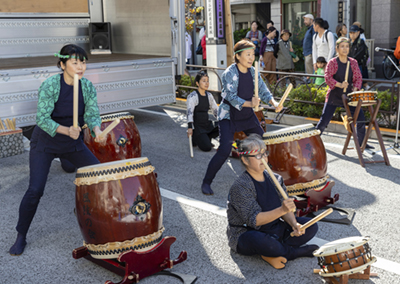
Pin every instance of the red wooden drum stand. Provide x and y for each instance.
(372, 124)
(119, 211)
(123, 142)
(298, 154)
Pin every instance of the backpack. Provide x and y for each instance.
(326, 38)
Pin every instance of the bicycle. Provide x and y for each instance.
(390, 64)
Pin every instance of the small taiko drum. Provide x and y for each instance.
(123, 142)
(119, 207)
(344, 256)
(298, 154)
(368, 98)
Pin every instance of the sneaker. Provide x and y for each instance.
(369, 147)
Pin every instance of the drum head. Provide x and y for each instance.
(289, 134)
(113, 116)
(340, 245)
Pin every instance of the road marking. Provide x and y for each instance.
(382, 263)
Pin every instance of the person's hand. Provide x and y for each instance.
(315, 67)
(255, 101)
(261, 58)
(99, 139)
(74, 132)
(297, 231)
(288, 205)
(345, 85)
(278, 108)
(190, 132)
(291, 50)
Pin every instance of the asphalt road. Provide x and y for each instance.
(197, 221)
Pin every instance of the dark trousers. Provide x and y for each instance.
(203, 140)
(225, 147)
(277, 242)
(328, 112)
(39, 166)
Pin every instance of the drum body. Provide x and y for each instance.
(119, 207)
(368, 98)
(344, 256)
(298, 154)
(123, 142)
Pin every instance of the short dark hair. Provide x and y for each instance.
(71, 49)
(253, 23)
(270, 22)
(270, 30)
(242, 44)
(321, 59)
(319, 22)
(200, 75)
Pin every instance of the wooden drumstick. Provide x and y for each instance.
(14, 123)
(256, 83)
(347, 74)
(314, 220)
(76, 100)
(283, 99)
(282, 192)
(108, 129)
(191, 146)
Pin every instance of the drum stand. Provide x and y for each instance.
(344, 279)
(372, 123)
(134, 266)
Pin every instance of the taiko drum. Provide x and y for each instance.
(119, 207)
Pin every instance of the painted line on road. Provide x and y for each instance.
(382, 263)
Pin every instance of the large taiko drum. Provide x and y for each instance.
(344, 256)
(298, 154)
(368, 98)
(123, 142)
(119, 207)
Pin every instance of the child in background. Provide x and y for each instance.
(321, 65)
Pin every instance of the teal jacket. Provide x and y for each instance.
(48, 95)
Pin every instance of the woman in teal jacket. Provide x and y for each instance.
(54, 136)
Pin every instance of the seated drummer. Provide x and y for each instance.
(55, 136)
(200, 126)
(260, 222)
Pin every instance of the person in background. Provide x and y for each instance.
(359, 51)
(271, 24)
(341, 30)
(255, 36)
(259, 220)
(203, 45)
(282, 53)
(321, 65)
(267, 54)
(362, 35)
(308, 43)
(200, 127)
(323, 42)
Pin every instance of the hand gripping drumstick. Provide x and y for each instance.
(108, 129)
(256, 82)
(347, 73)
(314, 220)
(76, 100)
(282, 192)
(283, 99)
(190, 146)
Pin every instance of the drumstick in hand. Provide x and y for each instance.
(108, 129)
(347, 74)
(314, 220)
(282, 192)
(256, 82)
(191, 146)
(76, 100)
(283, 99)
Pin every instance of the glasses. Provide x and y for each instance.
(259, 156)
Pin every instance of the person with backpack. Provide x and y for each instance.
(323, 42)
(359, 51)
(308, 43)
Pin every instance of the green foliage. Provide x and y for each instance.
(384, 119)
(240, 34)
(298, 34)
(185, 80)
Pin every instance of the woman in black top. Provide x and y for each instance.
(198, 104)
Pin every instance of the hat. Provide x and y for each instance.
(309, 16)
(354, 29)
(286, 32)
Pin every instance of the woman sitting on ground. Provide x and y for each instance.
(259, 221)
(198, 103)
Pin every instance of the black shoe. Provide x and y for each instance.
(206, 189)
(369, 147)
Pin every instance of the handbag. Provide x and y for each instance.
(295, 58)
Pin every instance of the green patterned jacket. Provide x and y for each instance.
(48, 95)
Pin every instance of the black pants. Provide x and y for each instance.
(203, 140)
(39, 167)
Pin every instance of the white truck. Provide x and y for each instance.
(147, 44)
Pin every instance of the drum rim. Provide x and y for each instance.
(331, 249)
(362, 92)
(349, 271)
(290, 134)
(117, 163)
(285, 130)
